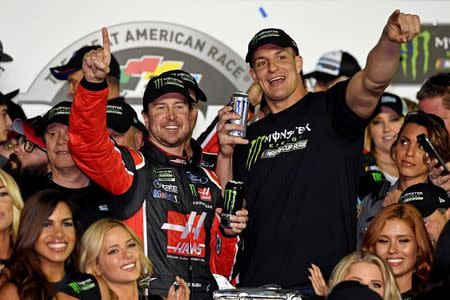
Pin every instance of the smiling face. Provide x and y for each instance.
(168, 121)
(408, 154)
(57, 238)
(397, 245)
(367, 274)
(383, 129)
(119, 258)
(56, 138)
(276, 70)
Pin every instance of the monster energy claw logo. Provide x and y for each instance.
(425, 37)
(255, 149)
(193, 189)
(229, 199)
(376, 177)
(76, 287)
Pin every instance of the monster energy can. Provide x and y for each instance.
(232, 202)
(240, 104)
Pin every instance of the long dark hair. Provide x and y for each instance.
(26, 271)
(436, 131)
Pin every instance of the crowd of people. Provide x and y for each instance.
(95, 204)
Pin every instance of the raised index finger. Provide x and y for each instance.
(106, 43)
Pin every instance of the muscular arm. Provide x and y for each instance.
(366, 87)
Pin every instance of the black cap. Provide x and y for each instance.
(4, 98)
(120, 116)
(426, 197)
(76, 62)
(190, 81)
(3, 56)
(57, 114)
(163, 84)
(269, 36)
(334, 64)
(352, 290)
(394, 102)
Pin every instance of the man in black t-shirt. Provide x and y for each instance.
(88, 200)
(300, 164)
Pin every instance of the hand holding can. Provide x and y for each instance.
(240, 103)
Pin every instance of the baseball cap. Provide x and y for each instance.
(190, 81)
(120, 116)
(334, 64)
(352, 290)
(57, 114)
(4, 98)
(163, 84)
(3, 56)
(426, 198)
(394, 102)
(269, 36)
(26, 128)
(75, 63)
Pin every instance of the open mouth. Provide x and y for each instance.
(129, 267)
(395, 261)
(57, 247)
(276, 80)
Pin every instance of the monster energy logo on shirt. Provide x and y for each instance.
(80, 286)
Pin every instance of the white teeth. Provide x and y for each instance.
(128, 266)
(171, 127)
(395, 260)
(57, 246)
(275, 78)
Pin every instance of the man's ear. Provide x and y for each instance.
(447, 214)
(253, 75)
(145, 117)
(298, 63)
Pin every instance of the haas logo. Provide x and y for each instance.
(185, 234)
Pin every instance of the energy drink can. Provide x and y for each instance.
(240, 104)
(233, 200)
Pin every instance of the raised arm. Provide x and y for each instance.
(367, 85)
(89, 142)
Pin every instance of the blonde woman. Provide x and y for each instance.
(112, 250)
(11, 205)
(365, 267)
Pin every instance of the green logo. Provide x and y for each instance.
(377, 177)
(229, 199)
(410, 63)
(253, 153)
(193, 189)
(75, 287)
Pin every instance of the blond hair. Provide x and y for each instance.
(16, 198)
(341, 270)
(92, 242)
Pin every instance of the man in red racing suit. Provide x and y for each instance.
(168, 201)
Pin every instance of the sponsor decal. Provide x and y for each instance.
(193, 189)
(196, 179)
(178, 161)
(185, 234)
(376, 176)
(204, 193)
(158, 194)
(170, 188)
(275, 143)
(164, 174)
(144, 50)
(80, 286)
(427, 54)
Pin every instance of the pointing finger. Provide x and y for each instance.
(106, 46)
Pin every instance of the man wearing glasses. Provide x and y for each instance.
(28, 163)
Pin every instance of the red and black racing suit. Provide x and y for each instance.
(168, 201)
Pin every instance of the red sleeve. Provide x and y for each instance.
(224, 251)
(90, 145)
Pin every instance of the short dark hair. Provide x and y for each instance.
(436, 85)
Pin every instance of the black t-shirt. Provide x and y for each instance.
(88, 203)
(79, 285)
(300, 170)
